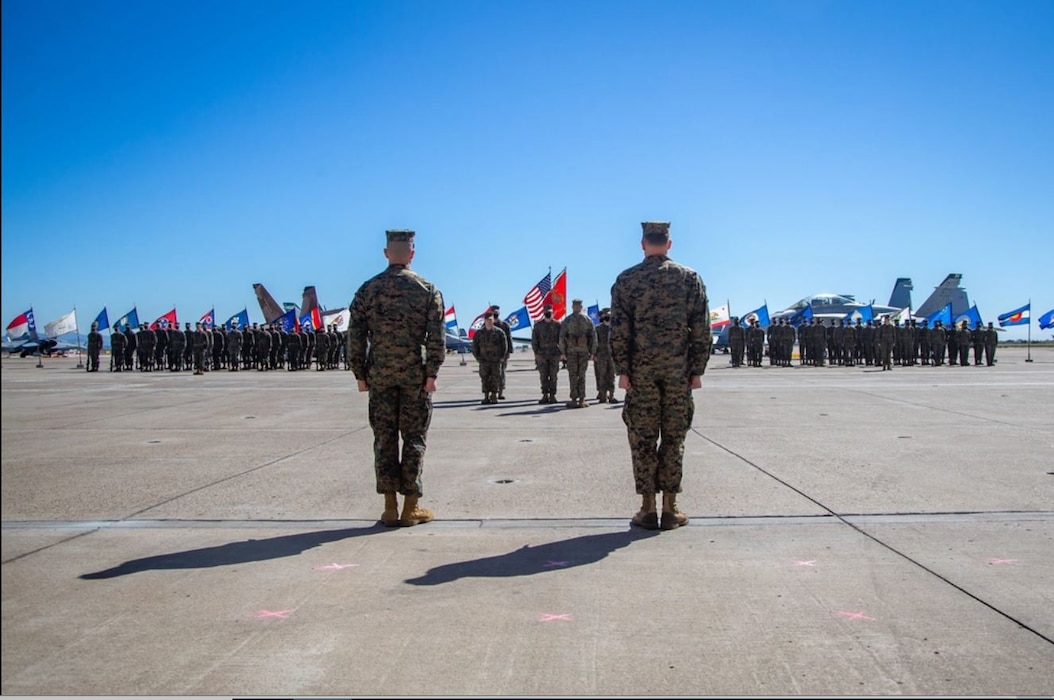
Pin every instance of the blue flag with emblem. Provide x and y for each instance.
(130, 319)
(762, 315)
(863, 314)
(944, 315)
(1046, 320)
(518, 319)
(594, 314)
(971, 316)
(288, 320)
(802, 317)
(241, 318)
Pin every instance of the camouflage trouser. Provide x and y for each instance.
(658, 413)
(604, 372)
(577, 365)
(549, 370)
(93, 360)
(399, 411)
(504, 367)
(490, 376)
(737, 354)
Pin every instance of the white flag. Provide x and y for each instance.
(341, 317)
(719, 317)
(61, 325)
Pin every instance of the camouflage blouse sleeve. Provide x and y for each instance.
(435, 343)
(699, 322)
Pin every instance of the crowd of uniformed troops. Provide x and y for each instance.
(844, 344)
(202, 348)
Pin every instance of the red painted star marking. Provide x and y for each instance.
(334, 567)
(855, 615)
(811, 562)
(1002, 561)
(549, 617)
(280, 614)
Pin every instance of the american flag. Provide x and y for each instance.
(535, 298)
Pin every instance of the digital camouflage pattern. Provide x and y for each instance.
(660, 338)
(395, 340)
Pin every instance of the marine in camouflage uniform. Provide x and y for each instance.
(117, 344)
(737, 339)
(603, 365)
(177, 346)
(545, 341)
(490, 348)
(396, 343)
(660, 341)
(578, 342)
(507, 330)
(94, 347)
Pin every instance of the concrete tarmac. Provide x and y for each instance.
(853, 532)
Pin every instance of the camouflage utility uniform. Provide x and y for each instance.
(395, 342)
(660, 339)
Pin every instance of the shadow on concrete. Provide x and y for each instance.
(234, 552)
(528, 560)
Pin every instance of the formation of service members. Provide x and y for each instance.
(490, 347)
(545, 341)
(261, 347)
(843, 344)
(578, 344)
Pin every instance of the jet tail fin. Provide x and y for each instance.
(309, 302)
(270, 308)
(901, 296)
(949, 292)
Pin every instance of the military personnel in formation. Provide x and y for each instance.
(737, 341)
(396, 344)
(490, 348)
(868, 338)
(545, 341)
(218, 347)
(887, 337)
(924, 337)
(249, 346)
(199, 343)
(952, 337)
(938, 342)
(177, 347)
(131, 347)
(977, 340)
(660, 340)
(964, 340)
(504, 328)
(991, 341)
(786, 336)
(309, 349)
(578, 343)
(603, 365)
(147, 342)
(117, 345)
(294, 349)
(755, 342)
(188, 346)
(94, 347)
(234, 348)
(321, 350)
(161, 346)
(263, 350)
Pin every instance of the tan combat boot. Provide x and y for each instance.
(671, 517)
(646, 517)
(390, 516)
(412, 515)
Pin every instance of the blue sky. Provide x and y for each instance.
(164, 154)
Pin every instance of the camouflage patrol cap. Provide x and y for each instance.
(605, 310)
(400, 236)
(576, 302)
(656, 231)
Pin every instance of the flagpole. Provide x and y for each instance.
(1028, 358)
(77, 325)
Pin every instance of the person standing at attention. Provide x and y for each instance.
(660, 342)
(395, 345)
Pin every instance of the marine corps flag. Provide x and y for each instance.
(557, 296)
